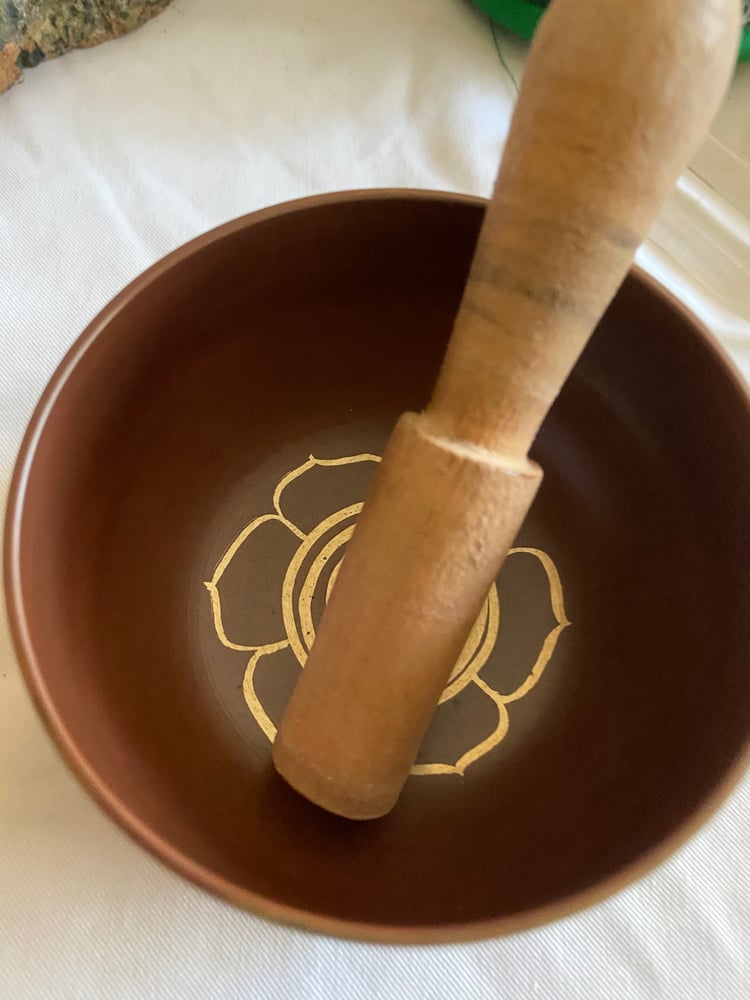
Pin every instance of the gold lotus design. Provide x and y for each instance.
(308, 574)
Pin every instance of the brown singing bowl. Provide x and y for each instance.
(181, 504)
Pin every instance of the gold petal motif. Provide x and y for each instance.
(497, 735)
(501, 700)
(212, 585)
(248, 688)
(320, 547)
(550, 641)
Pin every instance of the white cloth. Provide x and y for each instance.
(109, 158)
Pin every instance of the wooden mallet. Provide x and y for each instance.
(616, 96)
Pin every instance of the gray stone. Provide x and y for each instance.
(34, 30)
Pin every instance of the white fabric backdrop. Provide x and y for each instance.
(108, 159)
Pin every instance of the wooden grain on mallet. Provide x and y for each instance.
(616, 96)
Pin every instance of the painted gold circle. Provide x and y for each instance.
(299, 623)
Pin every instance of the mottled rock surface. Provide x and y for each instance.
(34, 30)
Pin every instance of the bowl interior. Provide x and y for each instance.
(185, 499)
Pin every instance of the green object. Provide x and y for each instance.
(744, 55)
(522, 17)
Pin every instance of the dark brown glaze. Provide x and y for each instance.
(307, 329)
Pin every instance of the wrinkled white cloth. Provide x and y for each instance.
(109, 158)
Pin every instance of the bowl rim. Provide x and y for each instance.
(121, 813)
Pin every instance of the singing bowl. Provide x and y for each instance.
(180, 507)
